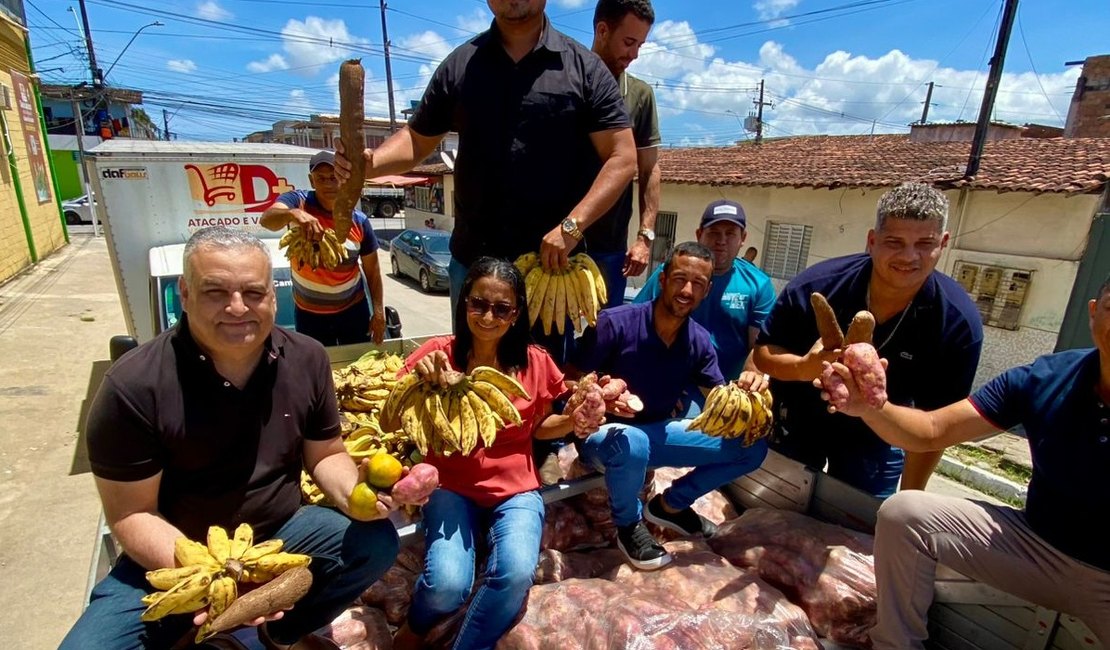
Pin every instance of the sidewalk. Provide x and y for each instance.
(55, 321)
(999, 466)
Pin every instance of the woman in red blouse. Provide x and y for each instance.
(494, 492)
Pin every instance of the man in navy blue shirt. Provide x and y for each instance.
(659, 350)
(928, 328)
(1051, 553)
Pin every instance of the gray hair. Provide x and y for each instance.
(221, 238)
(916, 201)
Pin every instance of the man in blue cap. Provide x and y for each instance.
(741, 294)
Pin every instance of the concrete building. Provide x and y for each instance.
(1018, 229)
(1089, 113)
(30, 219)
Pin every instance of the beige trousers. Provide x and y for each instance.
(991, 544)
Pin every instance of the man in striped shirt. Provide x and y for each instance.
(330, 304)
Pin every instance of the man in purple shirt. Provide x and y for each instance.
(659, 350)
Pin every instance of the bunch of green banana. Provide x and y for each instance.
(328, 252)
(553, 297)
(447, 420)
(364, 385)
(209, 574)
(731, 411)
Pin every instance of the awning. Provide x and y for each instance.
(401, 181)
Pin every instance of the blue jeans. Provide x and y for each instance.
(869, 465)
(612, 269)
(625, 452)
(352, 325)
(347, 557)
(452, 524)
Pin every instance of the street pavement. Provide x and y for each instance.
(55, 323)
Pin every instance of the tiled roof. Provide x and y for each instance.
(1066, 165)
(433, 169)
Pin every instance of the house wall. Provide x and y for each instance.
(1045, 234)
(46, 227)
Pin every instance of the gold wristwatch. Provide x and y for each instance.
(571, 228)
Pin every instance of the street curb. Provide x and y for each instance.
(982, 480)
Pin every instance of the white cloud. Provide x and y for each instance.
(477, 21)
(181, 65)
(274, 62)
(426, 44)
(702, 95)
(570, 4)
(329, 42)
(211, 10)
(772, 9)
(299, 103)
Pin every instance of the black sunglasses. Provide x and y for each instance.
(479, 307)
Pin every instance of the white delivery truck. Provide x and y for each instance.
(155, 194)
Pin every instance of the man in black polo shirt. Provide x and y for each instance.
(211, 423)
(1049, 553)
(545, 147)
(927, 326)
(620, 28)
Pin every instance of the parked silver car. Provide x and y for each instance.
(78, 211)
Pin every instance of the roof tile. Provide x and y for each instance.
(1065, 165)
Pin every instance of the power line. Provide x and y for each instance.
(1021, 31)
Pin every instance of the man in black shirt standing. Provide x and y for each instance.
(545, 147)
(211, 423)
(620, 28)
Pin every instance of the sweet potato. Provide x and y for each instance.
(591, 412)
(863, 360)
(351, 79)
(417, 485)
(280, 593)
(615, 393)
(861, 329)
(832, 336)
(836, 388)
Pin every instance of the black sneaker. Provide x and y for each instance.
(686, 522)
(641, 549)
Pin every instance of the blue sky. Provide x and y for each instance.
(224, 68)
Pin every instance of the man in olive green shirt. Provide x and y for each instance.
(620, 28)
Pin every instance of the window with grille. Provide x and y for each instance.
(786, 249)
(665, 225)
(999, 293)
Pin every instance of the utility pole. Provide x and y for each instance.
(388, 73)
(96, 80)
(79, 129)
(759, 114)
(165, 125)
(991, 91)
(928, 98)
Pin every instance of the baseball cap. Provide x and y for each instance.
(723, 210)
(321, 158)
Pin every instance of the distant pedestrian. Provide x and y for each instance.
(751, 253)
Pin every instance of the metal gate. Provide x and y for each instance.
(1093, 271)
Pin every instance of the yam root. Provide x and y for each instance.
(867, 370)
(587, 405)
(861, 329)
(832, 337)
(279, 594)
(351, 79)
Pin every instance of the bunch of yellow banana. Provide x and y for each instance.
(453, 419)
(553, 297)
(364, 384)
(209, 574)
(310, 492)
(328, 252)
(731, 411)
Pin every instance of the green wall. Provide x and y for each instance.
(69, 178)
